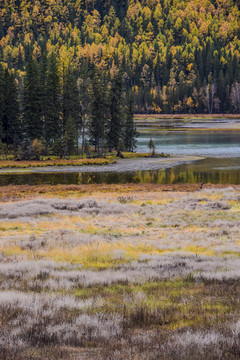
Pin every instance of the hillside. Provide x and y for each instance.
(177, 56)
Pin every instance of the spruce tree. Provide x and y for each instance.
(99, 112)
(70, 138)
(53, 124)
(32, 106)
(11, 124)
(43, 71)
(130, 127)
(2, 86)
(71, 104)
(116, 112)
(85, 102)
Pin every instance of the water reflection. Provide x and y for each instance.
(210, 170)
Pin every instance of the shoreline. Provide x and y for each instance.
(187, 116)
(120, 166)
(186, 123)
(157, 128)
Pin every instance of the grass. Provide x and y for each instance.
(53, 161)
(90, 273)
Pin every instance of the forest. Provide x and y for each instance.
(61, 59)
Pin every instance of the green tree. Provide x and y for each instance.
(71, 101)
(116, 112)
(84, 83)
(11, 121)
(43, 70)
(53, 121)
(99, 112)
(70, 138)
(130, 128)
(1, 101)
(152, 146)
(32, 106)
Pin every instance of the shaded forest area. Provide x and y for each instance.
(63, 115)
(172, 57)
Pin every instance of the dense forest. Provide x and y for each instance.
(164, 56)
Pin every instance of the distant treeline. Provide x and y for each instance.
(176, 56)
(54, 112)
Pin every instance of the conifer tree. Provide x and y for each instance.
(11, 124)
(53, 124)
(85, 102)
(99, 112)
(70, 99)
(43, 70)
(32, 106)
(116, 112)
(1, 100)
(130, 127)
(70, 138)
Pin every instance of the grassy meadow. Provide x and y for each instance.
(119, 272)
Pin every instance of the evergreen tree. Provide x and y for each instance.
(70, 98)
(99, 112)
(11, 124)
(53, 123)
(32, 106)
(152, 147)
(85, 102)
(43, 70)
(116, 112)
(1, 101)
(70, 139)
(130, 129)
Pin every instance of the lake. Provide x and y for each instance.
(221, 163)
(210, 144)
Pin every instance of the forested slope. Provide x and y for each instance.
(170, 50)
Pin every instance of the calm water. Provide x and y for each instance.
(221, 165)
(210, 144)
(209, 170)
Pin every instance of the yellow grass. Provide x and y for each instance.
(55, 162)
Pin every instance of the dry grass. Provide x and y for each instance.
(119, 272)
(74, 161)
(19, 192)
(55, 162)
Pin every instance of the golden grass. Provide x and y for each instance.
(73, 161)
(101, 255)
(54, 162)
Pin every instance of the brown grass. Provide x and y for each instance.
(18, 192)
